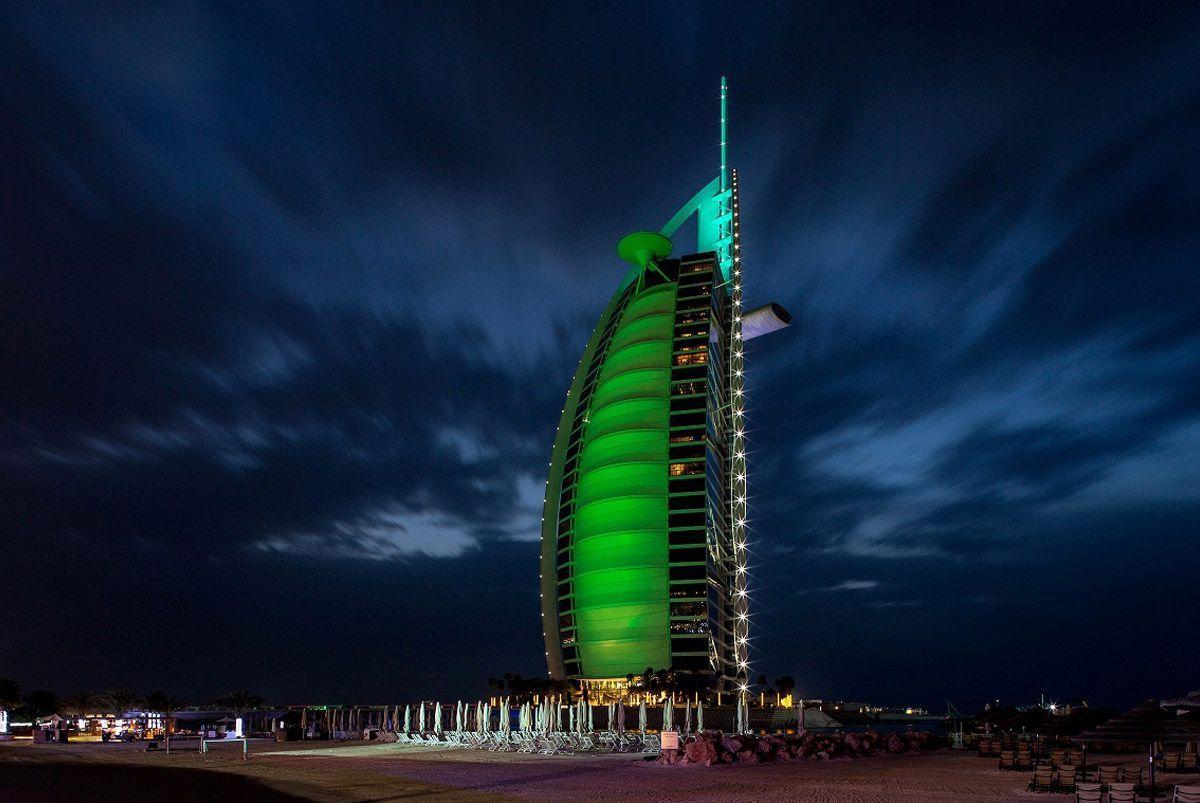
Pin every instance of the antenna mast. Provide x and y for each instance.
(724, 179)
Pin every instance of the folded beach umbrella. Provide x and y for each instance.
(687, 716)
(591, 720)
(621, 717)
(479, 716)
(699, 716)
(737, 728)
(642, 717)
(437, 717)
(421, 718)
(558, 715)
(668, 723)
(487, 717)
(407, 719)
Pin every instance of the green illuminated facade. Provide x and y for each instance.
(643, 531)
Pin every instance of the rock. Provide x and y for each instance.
(702, 751)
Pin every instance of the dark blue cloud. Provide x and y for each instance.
(290, 298)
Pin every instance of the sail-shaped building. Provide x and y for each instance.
(643, 560)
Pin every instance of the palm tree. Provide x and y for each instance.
(121, 700)
(166, 704)
(161, 702)
(240, 702)
(784, 685)
(42, 702)
(10, 694)
(79, 704)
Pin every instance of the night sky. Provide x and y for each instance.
(290, 300)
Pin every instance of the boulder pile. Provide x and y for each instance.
(714, 747)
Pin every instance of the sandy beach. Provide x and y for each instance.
(378, 772)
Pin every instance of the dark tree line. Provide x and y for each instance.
(42, 703)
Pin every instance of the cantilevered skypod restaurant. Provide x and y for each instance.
(644, 526)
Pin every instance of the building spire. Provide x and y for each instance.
(724, 168)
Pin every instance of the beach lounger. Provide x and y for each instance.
(552, 745)
(1024, 759)
(1108, 775)
(1008, 760)
(1088, 792)
(651, 744)
(1121, 793)
(985, 748)
(1186, 794)
(1172, 760)
(1066, 779)
(1058, 757)
(1043, 779)
(1132, 775)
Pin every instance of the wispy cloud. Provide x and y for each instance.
(845, 585)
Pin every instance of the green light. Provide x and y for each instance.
(621, 556)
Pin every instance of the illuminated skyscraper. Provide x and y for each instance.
(644, 525)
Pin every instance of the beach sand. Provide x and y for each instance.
(321, 771)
